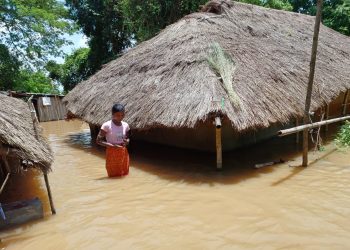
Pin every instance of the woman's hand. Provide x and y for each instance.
(126, 142)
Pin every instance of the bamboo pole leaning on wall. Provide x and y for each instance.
(290, 131)
(7, 166)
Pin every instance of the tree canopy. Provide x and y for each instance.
(102, 22)
(33, 30)
(75, 69)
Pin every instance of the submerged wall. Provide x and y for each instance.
(52, 111)
(202, 137)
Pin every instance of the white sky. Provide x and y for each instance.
(79, 41)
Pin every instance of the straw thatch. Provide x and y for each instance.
(17, 132)
(168, 81)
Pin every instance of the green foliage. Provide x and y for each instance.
(337, 16)
(33, 29)
(75, 69)
(273, 4)
(335, 13)
(278, 4)
(113, 25)
(102, 22)
(12, 77)
(9, 68)
(343, 137)
(35, 82)
(55, 70)
(223, 64)
(145, 18)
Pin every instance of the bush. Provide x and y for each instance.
(343, 137)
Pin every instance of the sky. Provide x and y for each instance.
(79, 41)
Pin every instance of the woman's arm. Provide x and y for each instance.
(101, 140)
(126, 140)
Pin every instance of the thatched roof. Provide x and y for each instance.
(168, 81)
(17, 132)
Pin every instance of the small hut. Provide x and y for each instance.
(48, 107)
(241, 65)
(21, 143)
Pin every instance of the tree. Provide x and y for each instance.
(75, 69)
(9, 68)
(102, 22)
(145, 19)
(335, 14)
(273, 4)
(278, 4)
(33, 30)
(35, 82)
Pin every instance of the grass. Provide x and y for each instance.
(343, 136)
(224, 66)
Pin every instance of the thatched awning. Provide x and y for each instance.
(167, 81)
(17, 133)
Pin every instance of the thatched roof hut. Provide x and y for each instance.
(169, 80)
(18, 138)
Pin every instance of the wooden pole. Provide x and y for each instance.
(290, 131)
(34, 117)
(7, 166)
(311, 81)
(35, 122)
(4, 183)
(327, 116)
(56, 108)
(297, 137)
(218, 143)
(345, 103)
(53, 210)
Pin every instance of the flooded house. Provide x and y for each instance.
(48, 107)
(21, 147)
(233, 72)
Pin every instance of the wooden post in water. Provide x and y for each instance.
(327, 116)
(53, 210)
(345, 103)
(218, 143)
(35, 123)
(310, 83)
(297, 136)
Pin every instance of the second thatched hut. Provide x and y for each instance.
(22, 145)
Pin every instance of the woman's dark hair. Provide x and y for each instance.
(118, 108)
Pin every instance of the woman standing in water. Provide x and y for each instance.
(114, 135)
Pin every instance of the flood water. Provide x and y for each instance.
(174, 199)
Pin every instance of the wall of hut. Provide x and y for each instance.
(49, 108)
(202, 137)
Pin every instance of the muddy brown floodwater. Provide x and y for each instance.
(174, 199)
